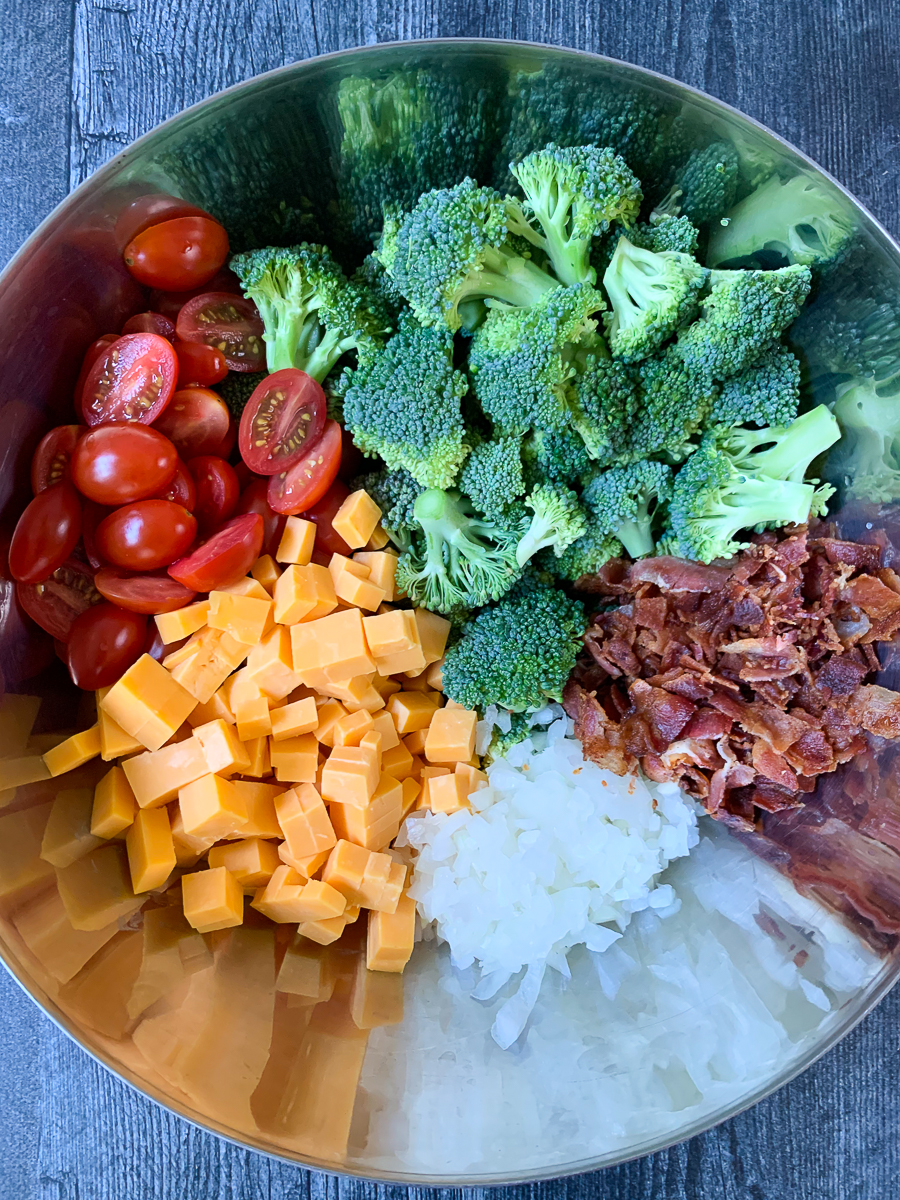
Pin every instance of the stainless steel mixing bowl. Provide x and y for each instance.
(403, 1083)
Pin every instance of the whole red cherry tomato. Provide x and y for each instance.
(323, 513)
(307, 481)
(132, 380)
(197, 421)
(91, 516)
(145, 535)
(55, 603)
(114, 464)
(228, 322)
(217, 491)
(103, 644)
(179, 254)
(282, 421)
(53, 456)
(181, 489)
(149, 210)
(91, 355)
(254, 498)
(47, 533)
(155, 592)
(224, 558)
(150, 322)
(199, 364)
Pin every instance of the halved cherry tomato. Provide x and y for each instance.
(53, 456)
(217, 491)
(307, 481)
(254, 498)
(55, 603)
(199, 364)
(197, 421)
(142, 593)
(170, 304)
(322, 515)
(115, 464)
(150, 322)
(181, 489)
(132, 380)
(93, 352)
(282, 421)
(230, 323)
(149, 210)
(224, 558)
(91, 516)
(47, 533)
(145, 535)
(103, 644)
(179, 254)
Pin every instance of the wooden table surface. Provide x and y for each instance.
(82, 79)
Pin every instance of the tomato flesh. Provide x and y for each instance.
(177, 255)
(132, 380)
(146, 535)
(103, 644)
(224, 558)
(199, 364)
(323, 513)
(229, 323)
(282, 421)
(307, 481)
(142, 593)
(53, 456)
(217, 491)
(150, 322)
(55, 603)
(115, 464)
(181, 489)
(196, 420)
(46, 534)
(170, 304)
(91, 355)
(254, 498)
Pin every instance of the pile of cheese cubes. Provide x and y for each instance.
(307, 673)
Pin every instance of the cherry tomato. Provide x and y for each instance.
(150, 322)
(181, 489)
(217, 491)
(114, 464)
(322, 515)
(142, 593)
(254, 498)
(47, 533)
(307, 481)
(145, 535)
(197, 421)
(91, 516)
(103, 644)
(145, 211)
(170, 304)
(199, 364)
(230, 323)
(224, 558)
(282, 421)
(91, 355)
(53, 456)
(132, 380)
(55, 603)
(179, 254)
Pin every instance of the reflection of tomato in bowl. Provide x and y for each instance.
(685, 1020)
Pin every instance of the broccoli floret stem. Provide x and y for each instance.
(508, 278)
(635, 534)
(790, 448)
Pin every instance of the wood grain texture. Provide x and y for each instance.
(85, 77)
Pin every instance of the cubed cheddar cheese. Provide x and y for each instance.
(426, 775)
(212, 899)
(294, 719)
(382, 566)
(374, 741)
(304, 593)
(215, 709)
(96, 889)
(157, 775)
(306, 867)
(366, 878)
(356, 519)
(252, 861)
(446, 793)
(339, 563)
(223, 750)
(173, 626)
(415, 681)
(351, 775)
(356, 694)
(258, 800)
(214, 656)
(295, 759)
(375, 825)
(246, 618)
(212, 807)
(451, 736)
(239, 690)
(114, 805)
(397, 761)
(412, 789)
(379, 539)
(73, 752)
(352, 584)
(67, 835)
(148, 703)
(329, 712)
(287, 897)
(151, 850)
(473, 778)
(270, 665)
(188, 847)
(390, 939)
(385, 686)
(297, 541)
(266, 572)
(393, 638)
(434, 676)
(247, 587)
(254, 720)
(412, 710)
(415, 741)
(304, 822)
(114, 741)
(433, 634)
(326, 931)
(351, 729)
(336, 642)
(260, 762)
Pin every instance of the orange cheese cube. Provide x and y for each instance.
(238, 691)
(385, 687)
(361, 593)
(412, 711)
(327, 931)
(195, 643)
(304, 593)
(433, 634)
(247, 586)
(393, 638)
(295, 759)
(67, 835)
(270, 665)
(223, 750)
(356, 693)
(339, 563)
(330, 712)
(212, 807)
(254, 720)
(418, 766)
(247, 618)
(412, 789)
(377, 824)
(148, 703)
(73, 752)
(415, 742)
(151, 850)
(212, 899)
(382, 565)
(446, 793)
(287, 898)
(215, 655)
(251, 861)
(188, 848)
(351, 729)
(379, 539)
(266, 572)
(96, 889)
(415, 681)
(393, 889)
(304, 822)
(397, 761)
(173, 626)
(425, 775)
(297, 541)
(358, 874)
(216, 709)
(114, 805)
(114, 741)
(351, 775)
(389, 944)
(157, 775)
(374, 741)
(260, 763)
(357, 518)
(383, 723)
(336, 641)
(321, 902)
(294, 719)
(307, 971)
(306, 867)
(434, 676)
(451, 736)
(258, 800)
(473, 778)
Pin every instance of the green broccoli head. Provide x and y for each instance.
(603, 404)
(557, 456)
(558, 521)
(402, 403)
(372, 275)
(584, 557)
(517, 653)
(866, 461)
(236, 389)
(395, 493)
(666, 233)
(765, 394)
(674, 402)
(626, 502)
(492, 475)
(705, 187)
(651, 295)
(783, 451)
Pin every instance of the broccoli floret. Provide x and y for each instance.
(312, 315)
(395, 493)
(651, 295)
(765, 394)
(454, 246)
(492, 476)
(800, 219)
(705, 187)
(372, 275)
(666, 233)
(522, 361)
(674, 402)
(866, 461)
(402, 403)
(584, 557)
(501, 743)
(627, 501)
(236, 389)
(743, 313)
(602, 406)
(461, 560)
(783, 451)
(574, 195)
(558, 521)
(517, 653)
(556, 456)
